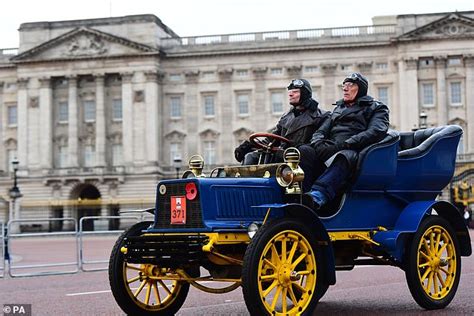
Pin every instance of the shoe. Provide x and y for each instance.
(319, 198)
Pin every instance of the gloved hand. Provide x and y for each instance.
(327, 151)
(242, 150)
(342, 145)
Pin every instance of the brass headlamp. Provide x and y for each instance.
(289, 174)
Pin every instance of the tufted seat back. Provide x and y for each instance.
(416, 143)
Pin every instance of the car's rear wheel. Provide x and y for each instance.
(433, 264)
(142, 289)
(282, 270)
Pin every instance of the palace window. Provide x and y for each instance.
(12, 115)
(427, 94)
(277, 102)
(63, 112)
(175, 107)
(117, 109)
(89, 111)
(210, 152)
(383, 95)
(455, 96)
(209, 106)
(242, 104)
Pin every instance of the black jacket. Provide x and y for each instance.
(299, 127)
(364, 123)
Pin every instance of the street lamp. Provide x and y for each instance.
(14, 193)
(177, 164)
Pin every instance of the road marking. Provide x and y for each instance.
(109, 291)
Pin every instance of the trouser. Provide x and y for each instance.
(334, 178)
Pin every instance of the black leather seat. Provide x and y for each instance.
(413, 144)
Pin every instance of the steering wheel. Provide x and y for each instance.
(266, 141)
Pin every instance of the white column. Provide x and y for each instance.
(442, 109)
(73, 145)
(127, 120)
(408, 82)
(2, 152)
(151, 120)
(46, 126)
(100, 133)
(469, 133)
(22, 121)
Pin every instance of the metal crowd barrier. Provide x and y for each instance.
(2, 247)
(10, 236)
(82, 260)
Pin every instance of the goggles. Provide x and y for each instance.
(297, 83)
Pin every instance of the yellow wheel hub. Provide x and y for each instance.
(436, 262)
(287, 274)
(146, 290)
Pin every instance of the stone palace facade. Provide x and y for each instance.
(99, 108)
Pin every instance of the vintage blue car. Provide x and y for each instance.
(251, 226)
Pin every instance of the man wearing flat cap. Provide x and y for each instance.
(357, 121)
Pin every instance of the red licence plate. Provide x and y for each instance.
(178, 210)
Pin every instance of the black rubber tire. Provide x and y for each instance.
(119, 287)
(412, 271)
(251, 263)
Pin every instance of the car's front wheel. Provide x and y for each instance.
(142, 289)
(282, 270)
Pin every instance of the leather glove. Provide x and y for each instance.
(342, 145)
(327, 151)
(242, 150)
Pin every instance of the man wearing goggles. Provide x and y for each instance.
(297, 125)
(358, 120)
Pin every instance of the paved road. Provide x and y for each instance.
(365, 290)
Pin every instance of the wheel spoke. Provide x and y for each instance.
(270, 288)
(157, 294)
(275, 255)
(283, 300)
(134, 268)
(283, 250)
(300, 288)
(424, 255)
(430, 281)
(270, 263)
(133, 279)
(148, 292)
(305, 272)
(277, 296)
(297, 261)
(423, 265)
(163, 285)
(432, 245)
(425, 275)
(440, 278)
(438, 240)
(440, 251)
(140, 288)
(293, 250)
(268, 277)
(444, 270)
(426, 246)
(292, 295)
(435, 282)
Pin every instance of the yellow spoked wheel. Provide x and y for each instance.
(281, 270)
(434, 265)
(146, 290)
(142, 289)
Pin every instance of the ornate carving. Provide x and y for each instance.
(33, 102)
(225, 73)
(329, 68)
(23, 83)
(86, 45)
(440, 61)
(192, 76)
(454, 29)
(127, 77)
(411, 63)
(139, 96)
(294, 71)
(151, 76)
(45, 82)
(259, 71)
(365, 66)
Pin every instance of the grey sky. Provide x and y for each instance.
(203, 17)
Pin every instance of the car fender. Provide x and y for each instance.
(309, 217)
(410, 219)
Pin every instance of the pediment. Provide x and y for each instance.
(243, 131)
(452, 25)
(175, 135)
(83, 42)
(209, 133)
